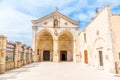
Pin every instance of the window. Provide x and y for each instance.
(84, 37)
(66, 23)
(37, 51)
(97, 32)
(45, 23)
(119, 56)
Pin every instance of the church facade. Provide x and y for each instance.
(57, 38)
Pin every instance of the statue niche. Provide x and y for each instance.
(55, 23)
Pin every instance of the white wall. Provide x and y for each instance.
(102, 42)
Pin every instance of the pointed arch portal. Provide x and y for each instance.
(65, 46)
(44, 45)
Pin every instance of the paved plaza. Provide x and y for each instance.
(58, 71)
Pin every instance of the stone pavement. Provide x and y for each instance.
(58, 71)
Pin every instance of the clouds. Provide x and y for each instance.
(16, 15)
(15, 25)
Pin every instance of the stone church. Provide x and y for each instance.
(57, 38)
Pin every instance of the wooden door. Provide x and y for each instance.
(85, 56)
(46, 55)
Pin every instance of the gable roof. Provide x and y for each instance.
(55, 13)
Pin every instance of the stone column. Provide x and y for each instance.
(3, 44)
(17, 54)
(55, 51)
(77, 53)
(51, 55)
(24, 54)
(29, 54)
(74, 51)
(34, 30)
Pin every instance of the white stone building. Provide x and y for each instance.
(57, 38)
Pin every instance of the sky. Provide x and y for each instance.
(16, 15)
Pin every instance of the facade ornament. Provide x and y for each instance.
(35, 27)
(55, 32)
(55, 23)
(97, 32)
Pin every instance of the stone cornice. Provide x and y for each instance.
(2, 36)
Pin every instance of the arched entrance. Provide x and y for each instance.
(65, 46)
(63, 55)
(99, 50)
(86, 56)
(45, 46)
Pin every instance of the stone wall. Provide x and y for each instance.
(14, 54)
(117, 66)
(115, 28)
(96, 41)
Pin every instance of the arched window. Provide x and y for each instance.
(37, 51)
(119, 55)
(55, 23)
(85, 37)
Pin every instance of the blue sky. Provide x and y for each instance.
(16, 15)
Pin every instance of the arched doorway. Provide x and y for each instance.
(63, 55)
(65, 46)
(86, 56)
(44, 46)
(98, 52)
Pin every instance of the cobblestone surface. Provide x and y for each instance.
(58, 71)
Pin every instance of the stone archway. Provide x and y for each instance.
(65, 46)
(44, 46)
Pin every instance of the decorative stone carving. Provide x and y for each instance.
(34, 27)
(56, 33)
(45, 23)
(97, 32)
(55, 23)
